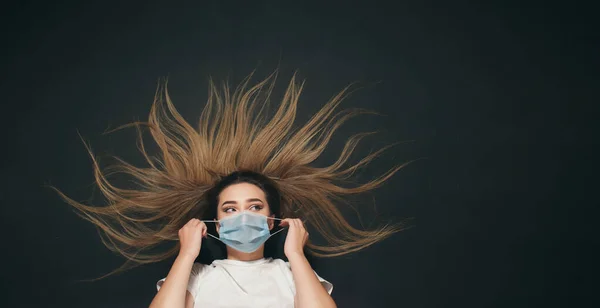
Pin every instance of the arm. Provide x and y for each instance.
(309, 290)
(173, 293)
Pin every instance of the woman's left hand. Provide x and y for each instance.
(296, 237)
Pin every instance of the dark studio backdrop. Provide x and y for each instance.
(497, 97)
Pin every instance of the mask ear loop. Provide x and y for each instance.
(277, 230)
(215, 221)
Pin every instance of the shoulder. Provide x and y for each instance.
(198, 270)
(277, 267)
(280, 263)
(285, 265)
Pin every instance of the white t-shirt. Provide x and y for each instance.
(262, 283)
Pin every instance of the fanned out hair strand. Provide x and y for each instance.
(235, 132)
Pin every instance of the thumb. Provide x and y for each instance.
(284, 223)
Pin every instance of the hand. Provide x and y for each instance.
(296, 237)
(190, 237)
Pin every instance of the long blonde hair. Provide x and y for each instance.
(235, 132)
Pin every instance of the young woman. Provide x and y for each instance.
(247, 174)
(245, 204)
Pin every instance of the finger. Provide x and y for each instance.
(294, 223)
(289, 222)
(285, 222)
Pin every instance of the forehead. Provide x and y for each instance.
(241, 192)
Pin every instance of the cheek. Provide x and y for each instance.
(220, 215)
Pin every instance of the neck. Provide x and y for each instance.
(233, 254)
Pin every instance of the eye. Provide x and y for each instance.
(228, 210)
(256, 207)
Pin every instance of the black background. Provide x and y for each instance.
(499, 97)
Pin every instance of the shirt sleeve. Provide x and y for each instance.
(198, 270)
(326, 284)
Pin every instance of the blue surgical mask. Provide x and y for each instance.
(245, 231)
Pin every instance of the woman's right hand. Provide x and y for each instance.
(190, 237)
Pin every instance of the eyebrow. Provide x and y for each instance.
(247, 201)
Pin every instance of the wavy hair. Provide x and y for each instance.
(235, 132)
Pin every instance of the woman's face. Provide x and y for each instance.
(243, 197)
